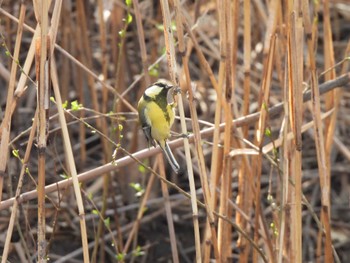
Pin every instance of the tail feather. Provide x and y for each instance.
(171, 159)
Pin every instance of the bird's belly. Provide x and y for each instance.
(160, 130)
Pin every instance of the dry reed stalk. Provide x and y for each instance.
(331, 102)
(258, 140)
(244, 197)
(66, 27)
(295, 76)
(79, 83)
(104, 129)
(196, 131)
(222, 83)
(217, 153)
(70, 160)
(168, 212)
(18, 190)
(5, 133)
(282, 247)
(228, 49)
(87, 54)
(319, 139)
(6, 122)
(216, 165)
(170, 49)
(43, 79)
(141, 38)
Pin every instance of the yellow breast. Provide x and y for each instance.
(160, 130)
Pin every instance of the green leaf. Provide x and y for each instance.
(75, 106)
(160, 27)
(107, 222)
(154, 72)
(65, 104)
(128, 3)
(129, 18)
(15, 153)
(64, 176)
(120, 256)
(138, 252)
(142, 169)
(95, 212)
(138, 188)
(122, 33)
(268, 132)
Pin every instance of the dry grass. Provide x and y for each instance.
(265, 103)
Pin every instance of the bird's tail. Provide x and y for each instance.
(171, 159)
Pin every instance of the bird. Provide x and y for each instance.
(156, 109)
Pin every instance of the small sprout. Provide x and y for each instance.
(138, 188)
(275, 152)
(120, 127)
(75, 106)
(264, 106)
(269, 198)
(274, 229)
(15, 153)
(163, 50)
(65, 104)
(142, 169)
(268, 132)
(160, 27)
(107, 222)
(129, 19)
(122, 33)
(120, 256)
(64, 176)
(95, 212)
(90, 196)
(114, 155)
(128, 3)
(138, 252)
(27, 170)
(52, 99)
(153, 71)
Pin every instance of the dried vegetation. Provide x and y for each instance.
(265, 101)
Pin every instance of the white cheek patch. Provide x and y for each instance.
(153, 91)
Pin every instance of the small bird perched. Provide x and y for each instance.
(156, 110)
